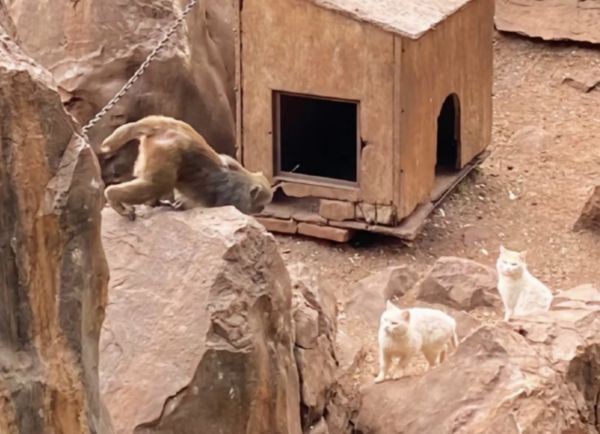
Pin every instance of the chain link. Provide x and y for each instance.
(140, 71)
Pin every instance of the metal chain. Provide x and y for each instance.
(140, 71)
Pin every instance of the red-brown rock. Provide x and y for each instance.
(53, 273)
(550, 19)
(590, 214)
(314, 311)
(461, 284)
(6, 22)
(199, 329)
(536, 376)
(368, 296)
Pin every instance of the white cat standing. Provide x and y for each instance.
(521, 293)
(403, 333)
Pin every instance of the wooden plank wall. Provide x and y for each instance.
(455, 57)
(295, 46)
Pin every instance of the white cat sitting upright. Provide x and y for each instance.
(403, 333)
(521, 293)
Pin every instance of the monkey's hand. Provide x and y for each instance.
(131, 214)
(178, 205)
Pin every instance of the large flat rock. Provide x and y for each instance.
(198, 331)
(575, 20)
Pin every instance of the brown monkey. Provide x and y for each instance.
(174, 157)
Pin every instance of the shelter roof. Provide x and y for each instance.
(409, 18)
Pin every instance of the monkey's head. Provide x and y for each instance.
(261, 193)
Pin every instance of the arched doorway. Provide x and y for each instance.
(448, 137)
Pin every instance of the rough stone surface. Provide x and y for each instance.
(368, 296)
(199, 329)
(550, 19)
(537, 376)
(330, 396)
(93, 47)
(584, 80)
(336, 210)
(53, 273)
(357, 349)
(461, 284)
(590, 214)
(314, 311)
(6, 22)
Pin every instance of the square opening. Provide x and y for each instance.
(316, 138)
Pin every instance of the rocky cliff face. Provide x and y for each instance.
(53, 273)
(6, 22)
(93, 47)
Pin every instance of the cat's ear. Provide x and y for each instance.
(406, 315)
(389, 305)
(502, 249)
(523, 255)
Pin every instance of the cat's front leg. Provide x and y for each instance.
(404, 362)
(385, 363)
(508, 313)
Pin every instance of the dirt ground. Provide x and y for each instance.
(527, 197)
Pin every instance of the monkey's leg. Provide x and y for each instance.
(182, 202)
(164, 200)
(134, 192)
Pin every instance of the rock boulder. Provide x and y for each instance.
(575, 20)
(199, 329)
(314, 312)
(534, 376)
(461, 284)
(590, 214)
(53, 273)
(6, 22)
(368, 296)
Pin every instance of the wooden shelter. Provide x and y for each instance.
(367, 111)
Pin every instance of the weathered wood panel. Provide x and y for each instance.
(575, 20)
(456, 57)
(295, 46)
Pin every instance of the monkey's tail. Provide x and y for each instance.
(126, 133)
